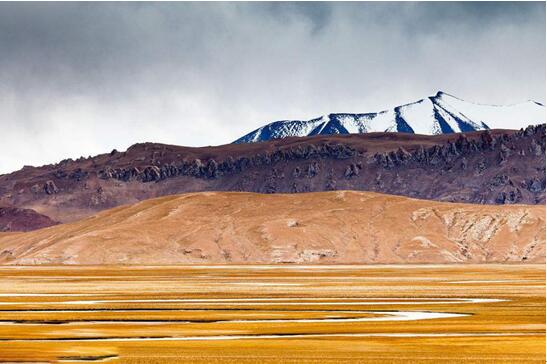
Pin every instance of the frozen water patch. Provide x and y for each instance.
(384, 316)
(494, 281)
(267, 284)
(290, 301)
(387, 316)
(287, 336)
(52, 294)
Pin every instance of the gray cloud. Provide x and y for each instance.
(84, 78)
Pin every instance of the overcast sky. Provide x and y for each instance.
(84, 78)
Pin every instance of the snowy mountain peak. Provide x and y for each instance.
(442, 113)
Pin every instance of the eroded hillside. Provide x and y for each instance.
(327, 227)
(490, 167)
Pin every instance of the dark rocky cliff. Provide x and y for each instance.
(490, 167)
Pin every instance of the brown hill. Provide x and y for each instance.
(16, 219)
(328, 227)
(493, 167)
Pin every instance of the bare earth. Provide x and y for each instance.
(490, 167)
(318, 228)
(273, 314)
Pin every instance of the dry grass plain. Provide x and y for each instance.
(273, 314)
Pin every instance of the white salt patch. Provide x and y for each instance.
(289, 336)
(278, 301)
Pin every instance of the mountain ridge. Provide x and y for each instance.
(442, 113)
(487, 167)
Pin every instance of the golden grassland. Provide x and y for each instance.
(273, 314)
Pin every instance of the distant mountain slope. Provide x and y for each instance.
(327, 227)
(487, 167)
(439, 114)
(17, 219)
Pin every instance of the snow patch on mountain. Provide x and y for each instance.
(439, 114)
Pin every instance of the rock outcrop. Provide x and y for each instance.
(489, 167)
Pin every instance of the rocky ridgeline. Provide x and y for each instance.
(436, 155)
(439, 154)
(487, 154)
(211, 168)
(490, 167)
(487, 158)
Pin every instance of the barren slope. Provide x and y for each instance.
(327, 227)
(491, 167)
(17, 219)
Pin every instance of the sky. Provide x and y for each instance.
(80, 79)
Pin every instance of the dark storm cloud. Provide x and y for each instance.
(83, 78)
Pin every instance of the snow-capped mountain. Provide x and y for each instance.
(439, 114)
